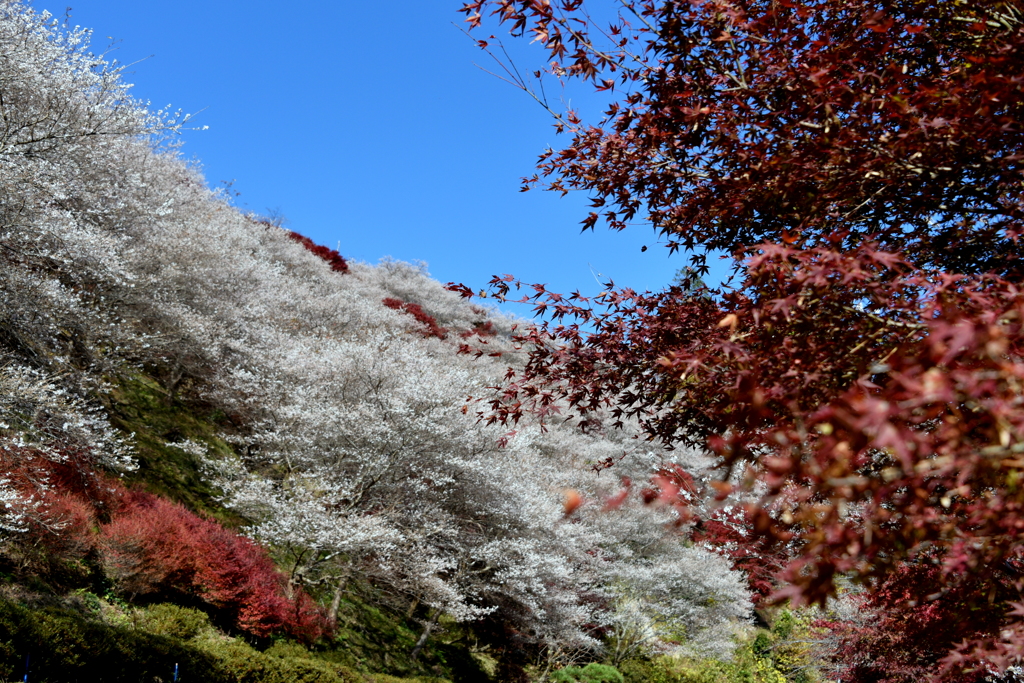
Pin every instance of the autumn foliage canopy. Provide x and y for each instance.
(862, 163)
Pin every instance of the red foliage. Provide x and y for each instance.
(730, 532)
(306, 619)
(727, 530)
(862, 163)
(421, 316)
(68, 528)
(480, 329)
(899, 637)
(150, 546)
(154, 547)
(336, 261)
(141, 548)
(879, 424)
(70, 471)
(823, 122)
(64, 494)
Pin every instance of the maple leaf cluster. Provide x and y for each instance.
(863, 382)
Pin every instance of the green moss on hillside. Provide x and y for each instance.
(140, 406)
(86, 638)
(370, 638)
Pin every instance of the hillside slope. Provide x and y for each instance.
(217, 436)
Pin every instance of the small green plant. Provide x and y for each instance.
(91, 601)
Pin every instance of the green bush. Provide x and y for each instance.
(238, 662)
(63, 645)
(173, 621)
(677, 670)
(591, 673)
(751, 663)
(83, 637)
(384, 678)
(789, 649)
(649, 671)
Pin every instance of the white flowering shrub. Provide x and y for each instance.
(42, 420)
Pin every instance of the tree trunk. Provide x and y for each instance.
(174, 381)
(332, 613)
(431, 622)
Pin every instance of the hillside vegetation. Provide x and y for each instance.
(226, 449)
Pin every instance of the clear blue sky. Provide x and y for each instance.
(368, 124)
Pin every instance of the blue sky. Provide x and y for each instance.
(369, 125)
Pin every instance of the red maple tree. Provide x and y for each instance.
(861, 162)
(898, 638)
